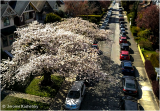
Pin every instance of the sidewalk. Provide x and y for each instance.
(46, 100)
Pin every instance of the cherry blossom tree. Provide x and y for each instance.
(61, 47)
(76, 8)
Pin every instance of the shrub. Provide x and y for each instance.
(154, 60)
(155, 86)
(146, 44)
(150, 70)
(130, 16)
(50, 18)
(93, 19)
(60, 13)
(134, 31)
(144, 33)
(148, 65)
(152, 74)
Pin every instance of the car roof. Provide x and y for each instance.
(76, 86)
(124, 44)
(127, 64)
(131, 105)
(124, 52)
(123, 37)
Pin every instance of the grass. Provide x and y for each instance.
(149, 53)
(21, 104)
(44, 91)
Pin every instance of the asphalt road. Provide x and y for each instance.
(105, 95)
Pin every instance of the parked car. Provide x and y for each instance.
(95, 46)
(124, 55)
(124, 46)
(121, 26)
(127, 68)
(75, 96)
(123, 34)
(121, 19)
(121, 22)
(102, 27)
(109, 13)
(119, 5)
(120, 15)
(122, 39)
(120, 12)
(129, 103)
(129, 85)
(106, 20)
(120, 9)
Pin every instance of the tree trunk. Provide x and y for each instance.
(47, 79)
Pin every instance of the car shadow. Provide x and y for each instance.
(131, 51)
(131, 58)
(129, 43)
(139, 93)
(127, 37)
(126, 28)
(136, 73)
(140, 106)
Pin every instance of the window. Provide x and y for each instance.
(21, 17)
(33, 15)
(6, 21)
(11, 39)
(5, 41)
(28, 15)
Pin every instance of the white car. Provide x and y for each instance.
(75, 96)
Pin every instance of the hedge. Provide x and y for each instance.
(155, 86)
(146, 44)
(150, 70)
(154, 60)
(50, 18)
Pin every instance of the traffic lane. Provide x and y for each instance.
(105, 95)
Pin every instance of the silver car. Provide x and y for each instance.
(75, 96)
(129, 85)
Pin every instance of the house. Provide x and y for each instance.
(45, 7)
(26, 12)
(7, 26)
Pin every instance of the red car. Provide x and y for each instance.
(95, 46)
(122, 39)
(124, 55)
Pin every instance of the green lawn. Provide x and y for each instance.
(14, 103)
(44, 91)
(149, 53)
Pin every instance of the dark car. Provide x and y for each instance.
(122, 39)
(121, 22)
(127, 68)
(120, 9)
(129, 103)
(75, 96)
(119, 5)
(124, 46)
(129, 85)
(120, 12)
(120, 15)
(123, 34)
(121, 19)
(121, 26)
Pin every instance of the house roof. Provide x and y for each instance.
(39, 4)
(3, 8)
(51, 3)
(19, 6)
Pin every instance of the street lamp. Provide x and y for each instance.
(130, 20)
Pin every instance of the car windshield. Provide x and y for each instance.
(124, 39)
(130, 85)
(125, 47)
(94, 46)
(74, 94)
(128, 67)
(124, 55)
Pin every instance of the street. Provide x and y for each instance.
(105, 95)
